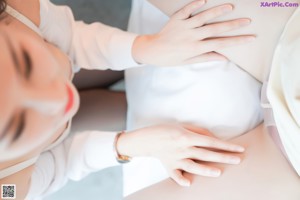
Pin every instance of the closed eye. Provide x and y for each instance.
(20, 128)
(18, 131)
(26, 59)
(28, 64)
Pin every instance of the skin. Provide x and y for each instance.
(187, 37)
(267, 24)
(43, 95)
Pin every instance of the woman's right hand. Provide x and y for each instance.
(188, 39)
(178, 148)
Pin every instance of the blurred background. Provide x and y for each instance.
(106, 184)
(112, 12)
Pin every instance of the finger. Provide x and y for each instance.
(192, 167)
(209, 14)
(214, 44)
(177, 176)
(188, 10)
(206, 57)
(211, 156)
(215, 143)
(215, 29)
(197, 129)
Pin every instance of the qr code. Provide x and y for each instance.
(8, 191)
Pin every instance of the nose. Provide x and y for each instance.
(47, 101)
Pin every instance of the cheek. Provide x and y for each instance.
(46, 65)
(38, 130)
(44, 69)
(37, 123)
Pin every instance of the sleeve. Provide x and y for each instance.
(97, 46)
(73, 159)
(90, 46)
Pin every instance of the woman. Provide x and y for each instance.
(40, 100)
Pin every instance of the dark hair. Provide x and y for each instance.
(2, 6)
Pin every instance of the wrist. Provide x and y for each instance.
(123, 145)
(140, 48)
(121, 158)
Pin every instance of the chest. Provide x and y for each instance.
(268, 22)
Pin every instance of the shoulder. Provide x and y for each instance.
(30, 9)
(22, 181)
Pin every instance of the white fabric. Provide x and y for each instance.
(11, 11)
(62, 137)
(17, 167)
(284, 89)
(23, 165)
(218, 96)
(75, 158)
(94, 46)
(210, 94)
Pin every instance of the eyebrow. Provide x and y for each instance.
(13, 54)
(19, 129)
(28, 63)
(17, 64)
(5, 131)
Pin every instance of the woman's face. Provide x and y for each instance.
(36, 96)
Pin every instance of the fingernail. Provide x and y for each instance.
(227, 8)
(215, 173)
(244, 22)
(240, 148)
(234, 160)
(186, 184)
(250, 38)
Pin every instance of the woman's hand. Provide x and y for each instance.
(188, 39)
(178, 148)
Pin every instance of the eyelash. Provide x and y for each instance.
(28, 64)
(20, 127)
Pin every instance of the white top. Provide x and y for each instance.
(94, 46)
(218, 96)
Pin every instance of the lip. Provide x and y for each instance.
(70, 102)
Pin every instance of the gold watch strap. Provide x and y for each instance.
(120, 158)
